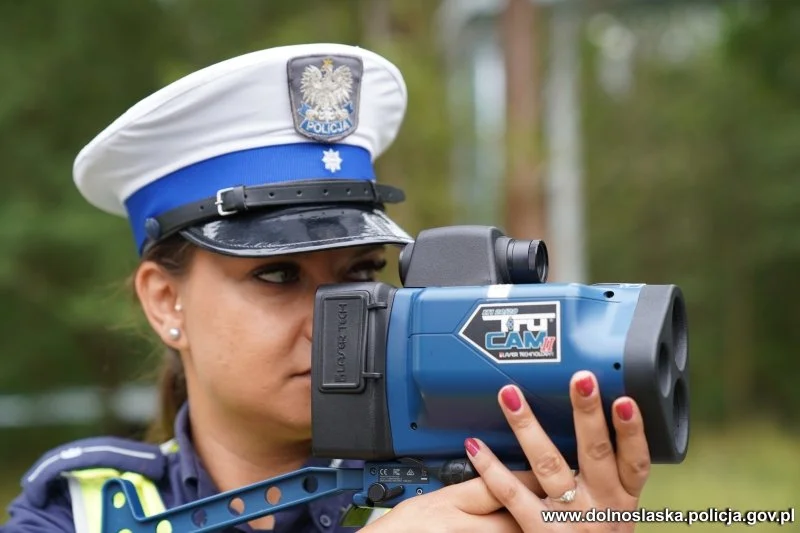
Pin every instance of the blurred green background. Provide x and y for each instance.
(676, 126)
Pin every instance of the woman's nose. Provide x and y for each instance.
(308, 327)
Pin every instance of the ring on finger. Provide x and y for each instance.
(567, 497)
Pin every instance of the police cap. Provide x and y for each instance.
(268, 153)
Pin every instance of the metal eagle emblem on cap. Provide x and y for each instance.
(324, 93)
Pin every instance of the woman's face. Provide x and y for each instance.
(247, 330)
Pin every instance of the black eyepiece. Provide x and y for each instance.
(405, 261)
(459, 256)
(522, 261)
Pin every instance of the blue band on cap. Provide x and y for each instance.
(257, 166)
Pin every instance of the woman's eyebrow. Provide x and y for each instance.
(368, 250)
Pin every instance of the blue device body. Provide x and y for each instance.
(443, 387)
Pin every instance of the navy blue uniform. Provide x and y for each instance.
(45, 506)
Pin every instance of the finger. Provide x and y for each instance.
(598, 463)
(474, 497)
(499, 522)
(546, 461)
(530, 481)
(633, 454)
(523, 505)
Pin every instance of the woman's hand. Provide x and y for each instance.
(606, 481)
(465, 507)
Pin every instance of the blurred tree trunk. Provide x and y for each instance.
(524, 200)
(376, 21)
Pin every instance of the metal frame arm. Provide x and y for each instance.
(122, 510)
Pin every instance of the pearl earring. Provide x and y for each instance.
(174, 333)
(178, 307)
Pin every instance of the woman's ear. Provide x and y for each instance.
(158, 293)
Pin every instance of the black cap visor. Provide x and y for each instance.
(296, 230)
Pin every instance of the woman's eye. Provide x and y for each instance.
(278, 275)
(367, 271)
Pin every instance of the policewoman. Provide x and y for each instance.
(248, 184)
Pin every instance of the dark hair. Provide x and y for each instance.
(174, 254)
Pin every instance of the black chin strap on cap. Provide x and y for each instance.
(236, 200)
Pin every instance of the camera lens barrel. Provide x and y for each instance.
(522, 261)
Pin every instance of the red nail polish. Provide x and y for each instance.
(625, 410)
(472, 446)
(511, 399)
(585, 386)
